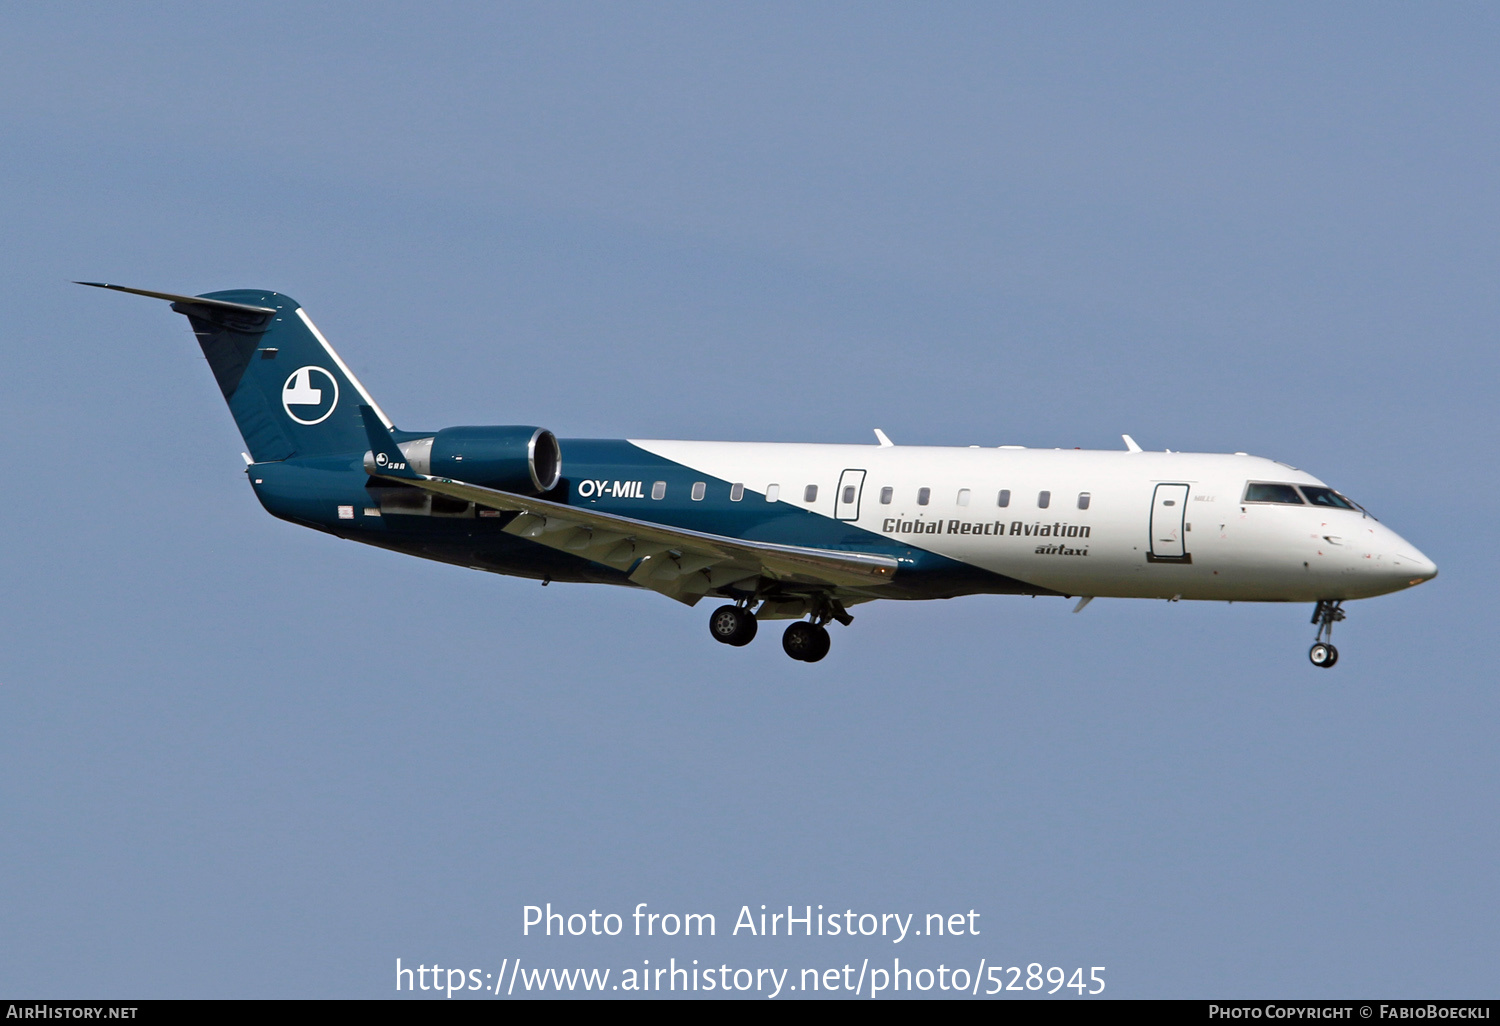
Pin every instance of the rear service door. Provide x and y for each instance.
(1168, 514)
(846, 503)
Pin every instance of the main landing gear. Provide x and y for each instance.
(804, 640)
(808, 642)
(733, 625)
(1328, 613)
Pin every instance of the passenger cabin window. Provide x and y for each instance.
(885, 496)
(659, 490)
(1284, 493)
(848, 493)
(699, 488)
(1083, 500)
(810, 493)
(736, 491)
(773, 492)
(1326, 497)
(1004, 499)
(963, 496)
(1043, 500)
(923, 494)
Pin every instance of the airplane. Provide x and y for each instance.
(780, 531)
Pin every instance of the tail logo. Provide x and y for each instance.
(314, 392)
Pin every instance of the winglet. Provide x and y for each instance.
(885, 443)
(385, 458)
(1130, 443)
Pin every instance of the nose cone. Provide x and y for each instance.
(1423, 569)
(1405, 562)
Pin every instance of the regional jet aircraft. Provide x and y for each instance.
(781, 531)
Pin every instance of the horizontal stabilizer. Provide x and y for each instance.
(264, 312)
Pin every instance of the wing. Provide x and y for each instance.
(679, 563)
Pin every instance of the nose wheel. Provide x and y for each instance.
(1323, 654)
(1327, 613)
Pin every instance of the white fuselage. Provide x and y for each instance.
(1156, 524)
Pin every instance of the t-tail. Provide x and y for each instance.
(287, 389)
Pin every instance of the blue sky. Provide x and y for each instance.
(1268, 228)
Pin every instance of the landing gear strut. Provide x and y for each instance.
(1328, 613)
(733, 625)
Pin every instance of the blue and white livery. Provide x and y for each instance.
(781, 531)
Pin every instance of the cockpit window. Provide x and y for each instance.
(1257, 492)
(1326, 497)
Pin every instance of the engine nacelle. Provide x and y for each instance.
(510, 458)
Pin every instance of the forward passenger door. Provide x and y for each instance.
(1168, 525)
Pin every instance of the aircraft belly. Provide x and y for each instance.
(502, 554)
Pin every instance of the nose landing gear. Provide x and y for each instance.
(1327, 613)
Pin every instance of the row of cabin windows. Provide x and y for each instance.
(1002, 498)
(887, 494)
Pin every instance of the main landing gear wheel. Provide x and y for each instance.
(1323, 654)
(806, 641)
(733, 625)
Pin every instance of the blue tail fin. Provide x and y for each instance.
(287, 389)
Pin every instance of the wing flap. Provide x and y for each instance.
(677, 562)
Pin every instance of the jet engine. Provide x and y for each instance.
(511, 458)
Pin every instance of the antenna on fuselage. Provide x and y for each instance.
(885, 443)
(1130, 444)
